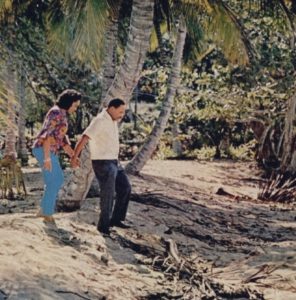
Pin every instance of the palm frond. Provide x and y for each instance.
(225, 30)
(200, 5)
(195, 39)
(4, 98)
(77, 30)
(5, 7)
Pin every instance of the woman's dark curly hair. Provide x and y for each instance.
(67, 97)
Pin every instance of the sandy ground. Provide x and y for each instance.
(233, 239)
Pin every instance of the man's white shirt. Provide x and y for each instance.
(103, 137)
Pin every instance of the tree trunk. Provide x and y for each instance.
(288, 161)
(77, 184)
(145, 153)
(10, 138)
(22, 143)
(122, 87)
(177, 146)
(110, 61)
(135, 52)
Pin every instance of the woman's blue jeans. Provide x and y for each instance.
(53, 181)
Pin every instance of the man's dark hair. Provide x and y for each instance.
(67, 97)
(116, 102)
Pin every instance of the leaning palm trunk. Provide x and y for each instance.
(109, 62)
(135, 52)
(124, 82)
(145, 153)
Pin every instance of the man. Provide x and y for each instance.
(102, 136)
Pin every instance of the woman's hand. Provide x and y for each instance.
(69, 151)
(47, 164)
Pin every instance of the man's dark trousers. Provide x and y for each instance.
(112, 179)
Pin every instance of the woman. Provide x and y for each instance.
(51, 138)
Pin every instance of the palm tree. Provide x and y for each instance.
(127, 78)
(151, 143)
(140, 159)
(135, 51)
(76, 189)
(284, 151)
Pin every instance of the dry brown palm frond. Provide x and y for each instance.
(281, 188)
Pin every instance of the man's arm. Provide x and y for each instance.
(78, 148)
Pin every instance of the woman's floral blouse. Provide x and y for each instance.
(55, 127)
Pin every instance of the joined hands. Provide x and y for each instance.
(75, 162)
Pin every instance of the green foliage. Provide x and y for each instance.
(205, 153)
(164, 150)
(219, 93)
(217, 100)
(47, 75)
(77, 31)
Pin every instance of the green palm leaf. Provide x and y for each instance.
(224, 29)
(5, 6)
(76, 30)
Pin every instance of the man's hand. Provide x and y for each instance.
(78, 148)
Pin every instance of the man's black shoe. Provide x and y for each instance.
(119, 224)
(104, 231)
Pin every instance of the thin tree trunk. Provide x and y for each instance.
(288, 161)
(177, 146)
(145, 153)
(10, 138)
(122, 87)
(22, 144)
